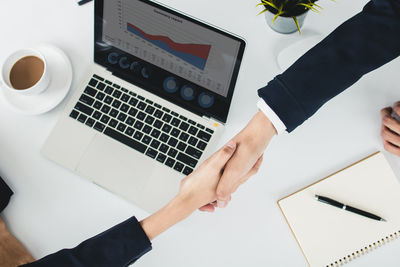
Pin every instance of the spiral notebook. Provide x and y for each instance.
(329, 236)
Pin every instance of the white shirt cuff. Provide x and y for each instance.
(271, 115)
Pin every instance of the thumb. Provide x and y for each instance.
(222, 156)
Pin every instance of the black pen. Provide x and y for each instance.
(339, 205)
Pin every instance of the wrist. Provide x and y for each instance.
(265, 124)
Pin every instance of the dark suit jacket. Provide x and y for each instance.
(363, 43)
(5, 194)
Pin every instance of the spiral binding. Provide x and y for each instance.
(364, 250)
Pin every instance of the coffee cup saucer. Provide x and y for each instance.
(60, 72)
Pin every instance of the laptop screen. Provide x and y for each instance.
(183, 60)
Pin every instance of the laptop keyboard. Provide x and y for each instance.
(141, 124)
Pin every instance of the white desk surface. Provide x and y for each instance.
(53, 208)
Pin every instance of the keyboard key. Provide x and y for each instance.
(140, 97)
(124, 108)
(130, 121)
(99, 126)
(141, 105)
(83, 108)
(74, 114)
(113, 123)
(161, 158)
(184, 137)
(182, 118)
(187, 160)
(90, 122)
(155, 144)
(146, 139)
(86, 99)
(193, 130)
(175, 122)
(101, 86)
(96, 115)
(164, 148)
(170, 162)
(122, 117)
(155, 133)
(157, 124)
(157, 105)
(164, 138)
(108, 82)
(148, 101)
(149, 120)
(141, 115)
(166, 128)
(150, 110)
(147, 129)
(174, 114)
(133, 112)
(124, 90)
(117, 94)
(138, 135)
(114, 113)
(90, 91)
(100, 96)
(192, 141)
(167, 118)
(129, 131)
(108, 100)
(172, 152)
(105, 119)
(200, 126)
(184, 126)
(204, 136)
(138, 125)
(175, 132)
(158, 114)
(93, 82)
(121, 127)
(98, 77)
(187, 171)
(105, 109)
(151, 153)
(132, 93)
(133, 102)
(191, 151)
(82, 118)
(181, 146)
(125, 98)
(116, 86)
(116, 103)
(178, 166)
(109, 90)
(165, 109)
(209, 130)
(97, 105)
(125, 140)
(172, 142)
(192, 122)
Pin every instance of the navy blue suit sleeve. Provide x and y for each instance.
(5, 194)
(119, 246)
(363, 43)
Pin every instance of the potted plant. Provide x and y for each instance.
(287, 16)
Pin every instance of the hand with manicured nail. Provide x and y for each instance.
(390, 130)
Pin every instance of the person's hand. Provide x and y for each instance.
(390, 131)
(12, 252)
(251, 144)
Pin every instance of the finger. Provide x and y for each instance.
(391, 123)
(207, 208)
(386, 112)
(390, 137)
(221, 157)
(391, 148)
(252, 172)
(396, 108)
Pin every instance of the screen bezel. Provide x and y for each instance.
(220, 112)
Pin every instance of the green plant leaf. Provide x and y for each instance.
(297, 24)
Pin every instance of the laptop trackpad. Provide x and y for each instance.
(116, 167)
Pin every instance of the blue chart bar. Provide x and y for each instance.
(190, 50)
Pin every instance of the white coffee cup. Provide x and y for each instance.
(8, 64)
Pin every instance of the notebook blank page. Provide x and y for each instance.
(327, 234)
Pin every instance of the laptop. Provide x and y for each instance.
(153, 104)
